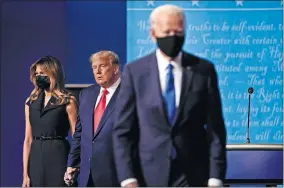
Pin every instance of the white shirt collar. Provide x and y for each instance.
(163, 62)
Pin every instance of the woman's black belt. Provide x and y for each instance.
(49, 138)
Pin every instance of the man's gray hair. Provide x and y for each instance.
(165, 9)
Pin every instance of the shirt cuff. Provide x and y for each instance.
(128, 181)
(215, 182)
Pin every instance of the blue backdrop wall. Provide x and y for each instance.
(93, 26)
(72, 31)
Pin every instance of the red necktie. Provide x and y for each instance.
(99, 110)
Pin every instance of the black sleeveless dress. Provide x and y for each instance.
(49, 149)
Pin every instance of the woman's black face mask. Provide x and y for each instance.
(43, 82)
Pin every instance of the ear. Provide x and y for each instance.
(116, 69)
(152, 34)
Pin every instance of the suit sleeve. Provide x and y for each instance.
(125, 127)
(74, 154)
(216, 129)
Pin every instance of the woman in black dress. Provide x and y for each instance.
(50, 111)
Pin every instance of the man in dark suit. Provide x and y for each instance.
(169, 114)
(91, 151)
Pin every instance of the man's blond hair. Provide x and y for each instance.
(105, 55)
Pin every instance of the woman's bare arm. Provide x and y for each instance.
(27, 142)
(72, 111)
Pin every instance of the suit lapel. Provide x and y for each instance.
(187, 75)
(156, 92)
(38, 103)
(51, 104)
(109, 108)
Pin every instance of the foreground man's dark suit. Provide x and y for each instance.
(198, 134)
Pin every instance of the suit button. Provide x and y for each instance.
(89, 159)
(93, 142)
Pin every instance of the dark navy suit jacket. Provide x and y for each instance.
(198, 133)
(94, 153)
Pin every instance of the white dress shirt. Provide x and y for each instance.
(177, 73)
(110, 90)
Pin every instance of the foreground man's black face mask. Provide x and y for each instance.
(170, 45)
(43, 82)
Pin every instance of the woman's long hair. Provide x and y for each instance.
(52, 68)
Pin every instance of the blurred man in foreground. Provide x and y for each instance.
(169, 110)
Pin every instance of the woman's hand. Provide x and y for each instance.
(26, 181)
